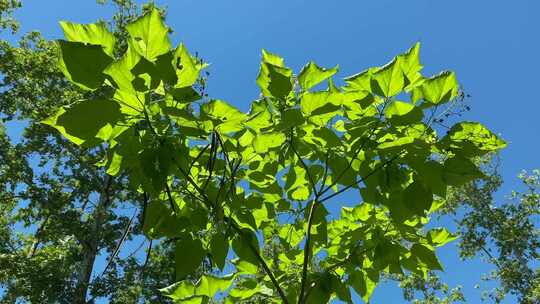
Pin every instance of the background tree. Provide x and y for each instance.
(504, 234)
(60, 212)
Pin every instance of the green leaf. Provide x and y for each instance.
(94, 33)
(291, 118)
(362, 80)
(312, 74)
(160, 221)
(403, 113)
(274, 79)
(265, 141)
(207, 286)
(187, 67)
(426, 256)
(188, 256)
(440, 88)
(227, 117)
(341, 289)
(410, 64)
(471, 139)
(272, 59)
(83, 64)
(431, 173)
(459, 171)
(389, 81)
(88, 122)
(219, 247)
(243, 247)
(417, 197)
(245, 267)
(440, 236)
(119, 72)
(149, 35)
(363, 283)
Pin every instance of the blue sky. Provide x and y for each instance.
(492, 46)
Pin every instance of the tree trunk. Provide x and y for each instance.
(91, 244)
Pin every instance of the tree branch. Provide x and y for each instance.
(119, 245)
(361, 179)
(235, 226)
(307, 246)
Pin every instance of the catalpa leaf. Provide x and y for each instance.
(440, 236)
(426, 256)
(410, 64)
(274, 79)
(312, 74)
(438, 89)
(149, 35)
(459, 170)
(207, 286)
(403, 113)
(83, 64)
(88, 122)
(186, 67)
(189, 254)
(471, 139)
(119, 72)
(94, 33)
(265, 141)
(388, 81)
(361, 81)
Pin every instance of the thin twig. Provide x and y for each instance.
(361, 179)
(119, 245)
(169, 196)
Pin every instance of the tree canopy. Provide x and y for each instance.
(243, 196)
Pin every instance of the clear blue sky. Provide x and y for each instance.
(493, 46)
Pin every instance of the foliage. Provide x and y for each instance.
(432, 290)
(6, 9)
(506, 234)
(50, 191)
(221, 183)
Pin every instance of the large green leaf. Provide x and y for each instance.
(438, 89)
(265, 141)
(363, 283)
(389, 80)
(410, 64)
(119, 72)
(274, 79)
(459, 170)
(149, 35)
(227, 117)
(83, 64)
(187, 67)
(94, 33)
(219, 247)
(418, 197)
(207, 286)
(362, 80)
(471, 139)
(426, 256)
(312, 74)
(188, 256)
(88, 122)
(440, 236)
(317, 103)
(403, 113)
